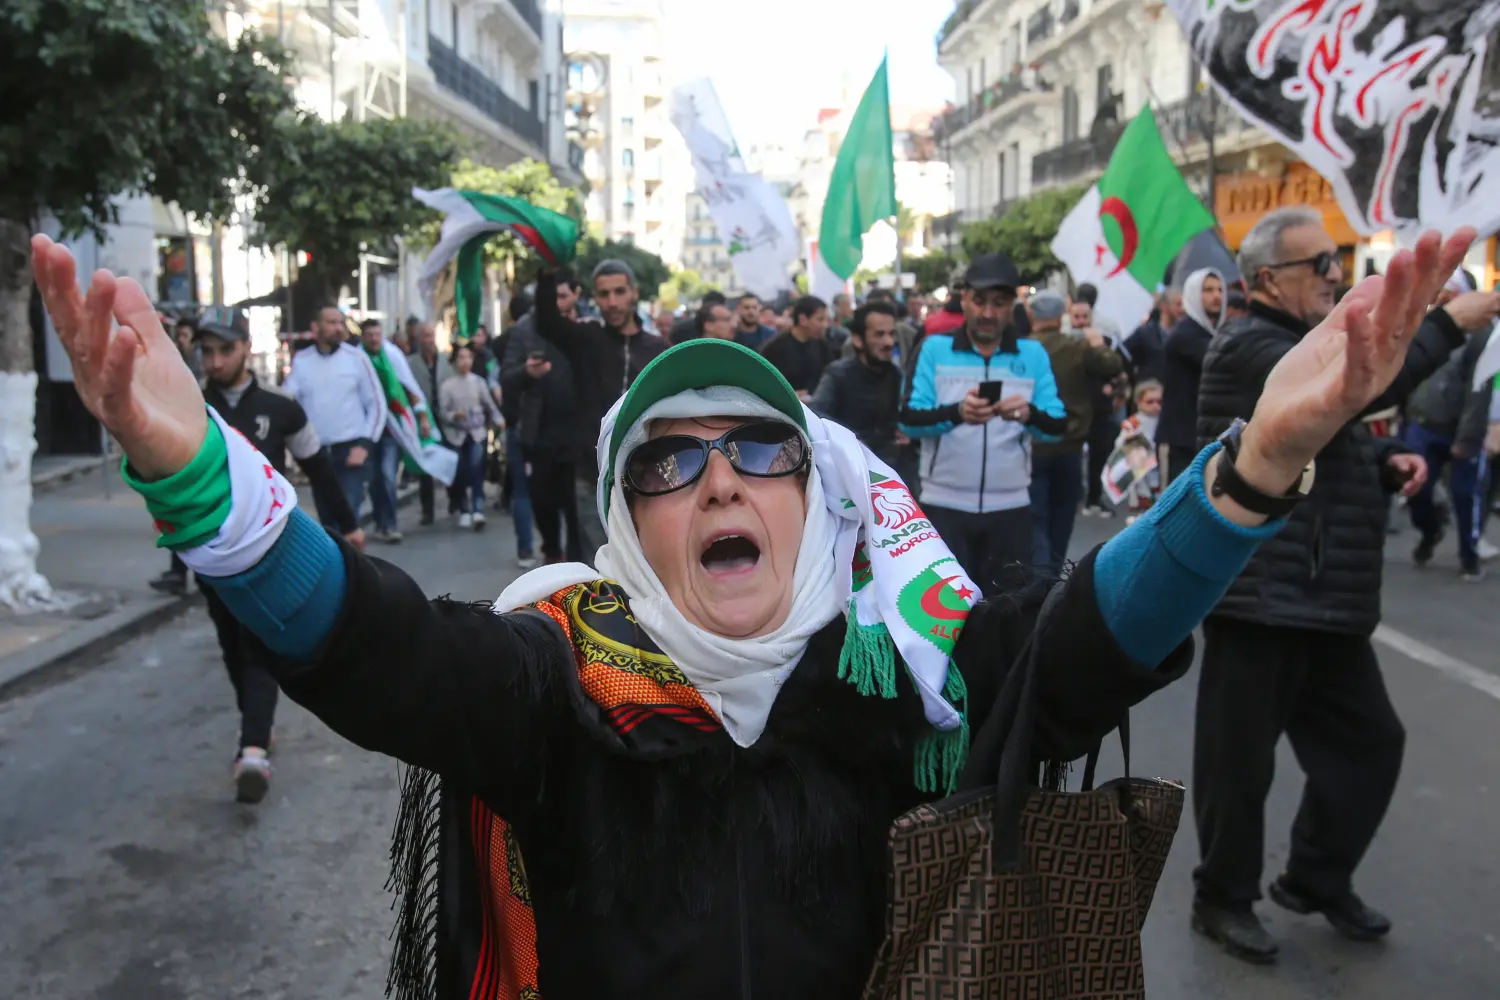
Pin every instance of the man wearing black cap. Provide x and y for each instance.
(977, 398)
(275, 423)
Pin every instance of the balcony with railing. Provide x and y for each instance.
(961, 12)
(1182, 124)
(467, 82)
(530, 12)
(996, 95)
(1039, 26)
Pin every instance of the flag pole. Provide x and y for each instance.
(900, 288)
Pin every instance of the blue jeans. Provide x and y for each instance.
(470, 480)
(1466, 484)
(352, 481)
(1056, 489)
(520, 491)
(387, 461)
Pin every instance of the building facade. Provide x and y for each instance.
(618, 84)
(703, 250)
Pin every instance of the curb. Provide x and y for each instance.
(52, 478)
(62, 657)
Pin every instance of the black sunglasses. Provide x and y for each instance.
(766, 449)
(1321, 263)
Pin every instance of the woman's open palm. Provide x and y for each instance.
(1350, 358)
(131, 376)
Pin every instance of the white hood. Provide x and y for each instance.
(1192, 299)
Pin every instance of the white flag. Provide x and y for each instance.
(751, 215)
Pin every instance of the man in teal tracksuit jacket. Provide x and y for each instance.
(976, 455)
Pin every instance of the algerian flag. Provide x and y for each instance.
(861, 190)
(471, 218)
(1126, 230)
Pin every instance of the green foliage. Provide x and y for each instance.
(108, 97)
(1025, 231)
(906, 224)
(650, 270)
(685, 287)
(528, 180)
(342, 186)
(933, 270)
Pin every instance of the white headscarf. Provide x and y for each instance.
(740, 678)
(1192, 299)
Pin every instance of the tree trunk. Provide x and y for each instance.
(21, 586)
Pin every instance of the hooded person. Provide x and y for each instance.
(673, 773)
(1187, 345)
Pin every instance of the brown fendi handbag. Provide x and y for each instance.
(1009, 892)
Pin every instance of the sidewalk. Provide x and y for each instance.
(98, 548)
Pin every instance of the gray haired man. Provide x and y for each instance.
(1288, 649)
(606, 358)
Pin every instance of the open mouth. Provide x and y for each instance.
(730, 554)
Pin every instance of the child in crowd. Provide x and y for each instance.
(1132, 473)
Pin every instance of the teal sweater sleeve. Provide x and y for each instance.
(1157, 579)
(293, 596)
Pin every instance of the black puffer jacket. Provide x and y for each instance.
(866, 400)
(1322, 571)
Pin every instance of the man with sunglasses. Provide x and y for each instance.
(977, 397)
(1288, 647)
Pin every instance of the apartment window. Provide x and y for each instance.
(536, 98)
(1105, 84)
(1069, 114)
(1004, 177)
(629, 211)
(629, 197)
(982, 74)
(1016, 51)
(627, 159)
(455, 31)
(969, 80)
(627, 123)
(1015, 171)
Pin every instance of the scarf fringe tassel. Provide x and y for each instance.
(414, 881)
(868, 661)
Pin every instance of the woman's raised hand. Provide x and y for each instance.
(1347, 360)
(130, 376)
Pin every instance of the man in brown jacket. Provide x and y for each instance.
(1079, 361)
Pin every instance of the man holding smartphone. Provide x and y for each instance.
(978, 396)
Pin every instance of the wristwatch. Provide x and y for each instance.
(1227, 481)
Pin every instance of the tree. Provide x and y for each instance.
(650, 270)
(1025, 231)
(104, 99)
(906, 225)
(339, 188)
(684, 287)
(932, 270)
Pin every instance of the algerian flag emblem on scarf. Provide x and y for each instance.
(423, 455)
(1126, 229)
(471, 219)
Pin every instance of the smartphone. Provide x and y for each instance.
(990, 391)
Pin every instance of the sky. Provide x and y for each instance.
(774, 63)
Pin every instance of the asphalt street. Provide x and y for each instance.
(128, 873)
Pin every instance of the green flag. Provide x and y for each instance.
(862, 189)
(1146, 208)
(470, 220)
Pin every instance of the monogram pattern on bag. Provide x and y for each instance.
(1064, 926)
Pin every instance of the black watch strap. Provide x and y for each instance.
(1227, 482)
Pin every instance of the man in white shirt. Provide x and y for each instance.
(338, 387)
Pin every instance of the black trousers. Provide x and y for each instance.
(1326, 693)
(553, 504)
(245, 657)
(994, 548)
(1102, 434)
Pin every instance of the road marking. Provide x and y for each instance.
(1464, 673)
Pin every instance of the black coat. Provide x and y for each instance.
(543, 410)
(1322, 571)
(1182, 367)
(866, 400)
(1147, 350)
(605, 362)
(688, 867)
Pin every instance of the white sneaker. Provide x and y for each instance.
(1485, 550)
(466, 520)
(478, 520)
(526, 562)
(252, 775)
